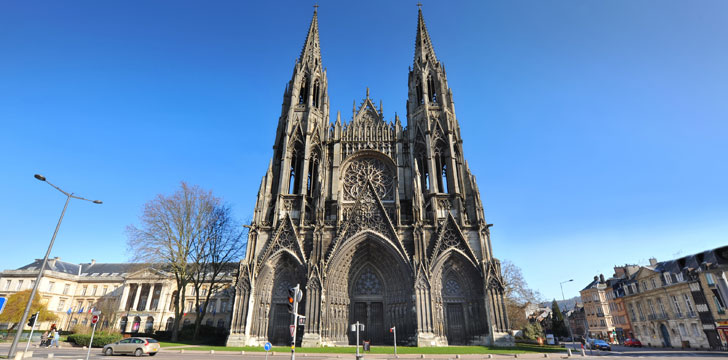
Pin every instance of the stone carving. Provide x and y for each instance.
(452, 288)
(363, 171)
(368, 284)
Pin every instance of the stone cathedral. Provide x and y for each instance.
(378, 222)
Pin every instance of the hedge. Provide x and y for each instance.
(99, 339)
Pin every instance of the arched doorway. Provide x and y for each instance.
(370, 282)
(135, 325)
(170, 322)
(280, 273)
(665, 335)
(460, 304)
(122, 323)
(149, 325)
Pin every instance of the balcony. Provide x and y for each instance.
(679, 315)
(600, 314)
(691, 314)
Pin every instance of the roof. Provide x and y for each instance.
(88, 269)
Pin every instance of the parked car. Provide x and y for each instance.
(134, 345)
(632, 342)
(601, 345)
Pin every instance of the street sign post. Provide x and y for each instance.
(35, 321)
(267, 348)
(94, 320)
(357, 327)
(393, 330)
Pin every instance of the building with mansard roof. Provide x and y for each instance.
(134, 298)
(378, 222)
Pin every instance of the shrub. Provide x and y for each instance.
(100, 339)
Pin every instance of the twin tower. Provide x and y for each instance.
(378, 222)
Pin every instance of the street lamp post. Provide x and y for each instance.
(21, 324)
(568, 324)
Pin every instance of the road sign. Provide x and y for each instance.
(293, 329)
(97, 312)
(301, 320)
(2, 304)
(94, 319)
(267, 346)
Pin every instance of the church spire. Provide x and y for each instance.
(424, 51)
(311, 52)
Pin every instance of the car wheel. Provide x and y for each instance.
(138, 352)
(109, 352)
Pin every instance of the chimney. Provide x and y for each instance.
(653, 261)
(93, 261)
(601, 278)
(53, 261)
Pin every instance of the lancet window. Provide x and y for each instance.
(294, 182)
(316, 93)
(303, 93)
(431, 90)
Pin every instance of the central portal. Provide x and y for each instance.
(367, 307)
(370, 283)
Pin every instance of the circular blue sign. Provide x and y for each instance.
(267, 346)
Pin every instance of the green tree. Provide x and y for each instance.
(532, 331)
(558, 326)
(16, 305)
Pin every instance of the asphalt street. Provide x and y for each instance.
(618, 352)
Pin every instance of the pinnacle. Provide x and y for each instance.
(311, 51)
(423, 46)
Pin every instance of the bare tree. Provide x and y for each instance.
(517, 294)
(221, 244)
(171, 227)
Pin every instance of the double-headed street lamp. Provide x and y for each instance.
(42, 266)
(568, 323)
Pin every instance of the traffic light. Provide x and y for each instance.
(292, 300)
(31, 321)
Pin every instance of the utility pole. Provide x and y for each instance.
(26, 312)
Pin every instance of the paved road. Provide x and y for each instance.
(617, 353)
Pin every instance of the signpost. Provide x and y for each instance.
(94, 320)
(294, 297)
(34, 319)
(357, 327)
(393, 330)
(267, 348)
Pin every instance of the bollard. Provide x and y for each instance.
(583, 353)
(242, 352)
(457, 356)
(85, 348)
(422, 356)
(515, 355)
(19, 355)
(545, 355)
(212, 352)
(490, 356)
(50, 355)
(182, 351)
(568, 352)
(28, 354)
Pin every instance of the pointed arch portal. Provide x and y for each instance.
(369, 282)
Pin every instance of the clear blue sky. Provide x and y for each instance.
(598, 130)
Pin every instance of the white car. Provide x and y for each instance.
(134, 345)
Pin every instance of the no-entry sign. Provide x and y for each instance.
(94, 319)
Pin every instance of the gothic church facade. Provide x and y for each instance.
(378, 222)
